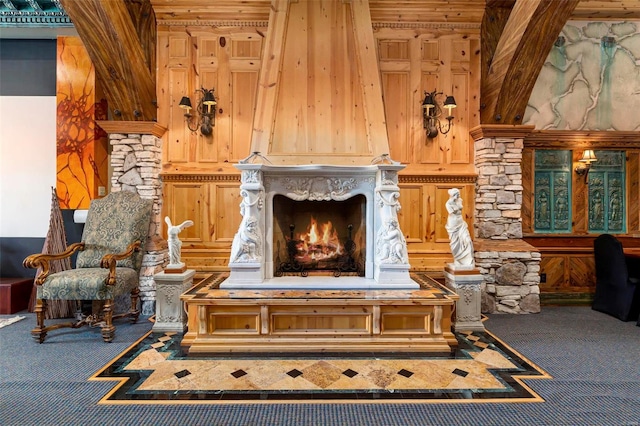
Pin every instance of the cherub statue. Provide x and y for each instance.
(175, 245)
(247, 243)
(391, 244)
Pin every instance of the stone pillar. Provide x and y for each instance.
(498, 219)
(170, 315)
(467, 283)
(136, 161)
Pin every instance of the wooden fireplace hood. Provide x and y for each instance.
(319, 98)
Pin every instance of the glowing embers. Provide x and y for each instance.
(319, 236)
(318, 244)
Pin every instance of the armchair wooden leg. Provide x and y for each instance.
(134, 312)
(108, 330)
(39, 333)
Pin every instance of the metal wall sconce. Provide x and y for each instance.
(206, 112)
(588, 157)
(432, 111)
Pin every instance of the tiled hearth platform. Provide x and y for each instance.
(480, 369)
(316, 319)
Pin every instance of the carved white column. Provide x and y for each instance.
(247, 261)
(391, 255)
(170, 316)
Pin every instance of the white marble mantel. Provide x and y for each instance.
(251, 263)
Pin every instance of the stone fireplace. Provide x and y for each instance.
(279, 201)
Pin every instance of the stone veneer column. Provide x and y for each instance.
(136, 160)
(510, 266)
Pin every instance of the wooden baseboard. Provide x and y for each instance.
(566, 299)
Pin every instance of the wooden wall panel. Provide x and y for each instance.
(582, 276)
(633, 196)
(186, 205)
(242, 108)
(553, 268)
(179, 135)
(461, 151)
(174, 58)
(194, 57)
(225, 214)
(397, 110)
(411, 217)
(580, 192)
(527, 166)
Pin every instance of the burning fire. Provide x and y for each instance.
(320, 242)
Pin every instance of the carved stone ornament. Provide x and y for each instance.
(320, 188)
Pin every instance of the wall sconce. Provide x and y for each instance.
(206, 110)
(432, 111)
(588, 157)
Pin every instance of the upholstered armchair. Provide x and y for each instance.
(617, 283)
(108, 264)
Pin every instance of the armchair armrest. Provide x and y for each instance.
(109, 260)
(41, 260)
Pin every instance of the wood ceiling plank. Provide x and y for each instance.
(385, 11)
(607, 10)
(119, 55)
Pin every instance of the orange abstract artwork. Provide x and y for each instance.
(82, 157)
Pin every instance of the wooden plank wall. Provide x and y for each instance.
(201, 184)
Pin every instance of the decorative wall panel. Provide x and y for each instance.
(590, 79)
(607, 193)
(82, 163)
(552, 191)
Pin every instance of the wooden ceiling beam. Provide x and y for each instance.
(120, 39)
(531, 28)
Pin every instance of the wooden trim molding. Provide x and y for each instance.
(127, 127)
(500, 131)
(568, 139)
(229, 177)
(182, 177)
(210, 23)
(462, 179)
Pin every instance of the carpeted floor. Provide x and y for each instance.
(593, 360)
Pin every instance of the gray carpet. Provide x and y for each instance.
(594, 359)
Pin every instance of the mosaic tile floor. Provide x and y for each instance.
(481, 369)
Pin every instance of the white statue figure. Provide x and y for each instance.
(246, 246)
(391, 245)
(175, 245)
(460, 240)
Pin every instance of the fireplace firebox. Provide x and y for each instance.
(319, 237)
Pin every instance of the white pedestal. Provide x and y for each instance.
(170, 316)
(466, 282)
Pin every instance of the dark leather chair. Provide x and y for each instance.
(617, 292)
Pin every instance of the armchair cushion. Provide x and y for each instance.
(112, 224)
(87, 284)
